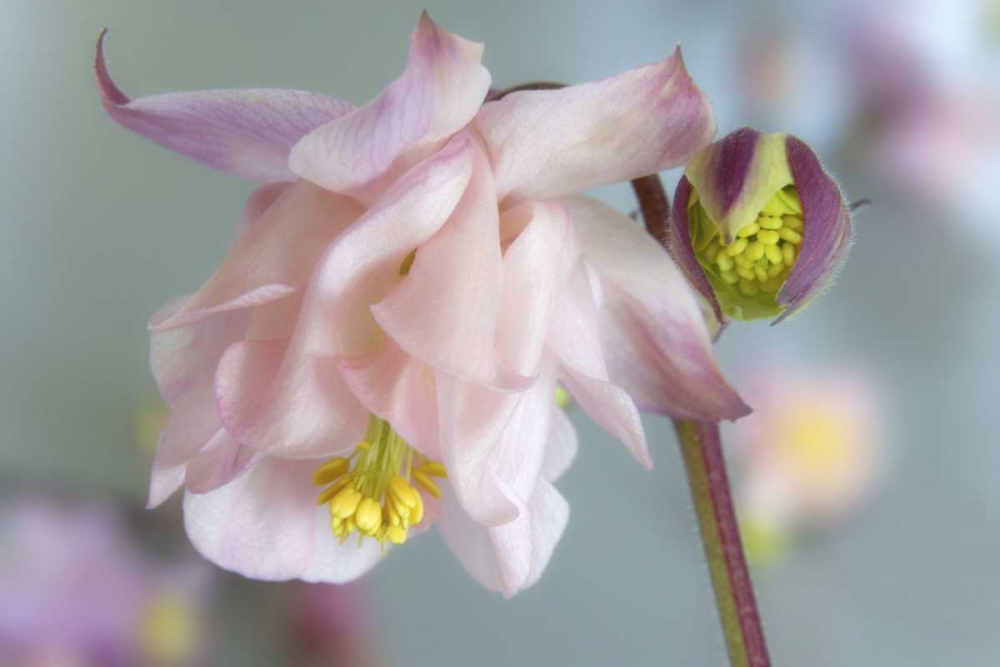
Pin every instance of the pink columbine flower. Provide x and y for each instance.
(759, 227)
(406, 289)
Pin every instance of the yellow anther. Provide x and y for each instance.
(775, 269)
(737, 247)
(761, 271)
(773, 253)
(331, 491)
(755, 251)
(424, 480)
(368, 516)
(790, 235)
(788, 253)
(749, 287)
(768, 236)
(434, 469)
(331, 471)
(345, 503)
(369, 492)
(748, 231)
(724, 261)
(417, 515)
(747, 274)
(730, 277)
(793, 222)
(712, 251)
(744, 261)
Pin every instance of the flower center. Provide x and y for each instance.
(370, 492)
(763, 253)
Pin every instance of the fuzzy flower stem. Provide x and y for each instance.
(701, 448)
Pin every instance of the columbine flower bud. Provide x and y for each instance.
(758, 226)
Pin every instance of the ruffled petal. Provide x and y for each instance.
(275, 257)
(511, 557)
(219, 462)
(562, 447)
(435, 97)
(547, 143)
(828, 224)
(308, 410)
(444, 311)
(534, 266)
(193, 421)
(393, 385)
(472, 419)
(257, 204)
(248, 133)
(184, 358)
(653, 333)
(266, 525)
(575, 340)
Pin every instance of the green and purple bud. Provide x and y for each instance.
(758, 226)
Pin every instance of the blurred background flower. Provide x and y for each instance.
(809, 456)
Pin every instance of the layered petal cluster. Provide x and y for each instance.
(409, 286)
(758, 226)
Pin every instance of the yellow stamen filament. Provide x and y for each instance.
(764, 251)
(369, 492)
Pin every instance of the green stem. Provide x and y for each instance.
(720, 535)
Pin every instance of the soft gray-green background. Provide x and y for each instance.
(99, 228)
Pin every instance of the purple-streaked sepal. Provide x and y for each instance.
(728, 188)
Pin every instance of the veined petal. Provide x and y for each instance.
(266, 525)
(575, 340)
(653, 333)
(248, 133)
(737, 176)
(547, 143)
(435, 97)
(444, 311)
(193, 421)
(308, 410)
(828, 224)
(276, 255)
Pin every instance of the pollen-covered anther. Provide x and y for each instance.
(763, 253)
(370, 492)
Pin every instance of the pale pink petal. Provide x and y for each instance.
(534, 265)
(435, 97)
(275, 257)
(562, 446)
(266, 525)
(444, 312)
(511, 557)
(185, 358)
(574, 338)
(308, 410)
(248, 133)
(257, 204)
(653, 333)
(191, 424)
(219, 462)
(547, 143)
(472, 419)
(393, 385)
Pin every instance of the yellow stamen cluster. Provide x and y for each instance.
(763, 252)
(370, 492)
